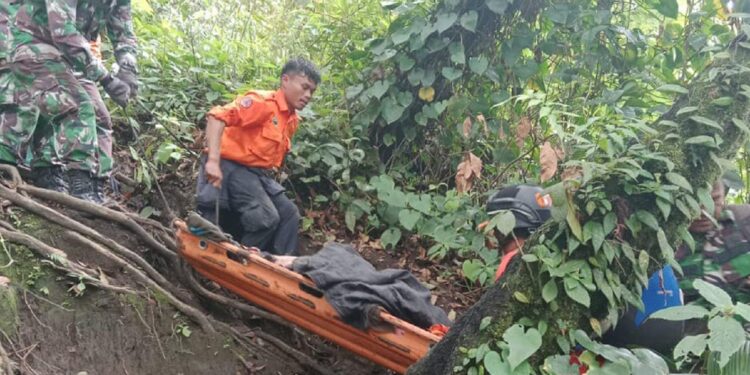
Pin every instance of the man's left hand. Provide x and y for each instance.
(129, 76)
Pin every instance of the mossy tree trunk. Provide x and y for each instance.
(697, 160)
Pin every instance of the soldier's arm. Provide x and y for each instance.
(121, 34)
(61, 15)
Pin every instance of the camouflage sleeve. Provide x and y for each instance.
(5, 15)
(61, 15)
(120, 32)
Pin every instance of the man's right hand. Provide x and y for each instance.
(213, 173)
(118, 90)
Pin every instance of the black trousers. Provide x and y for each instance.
(252, 208)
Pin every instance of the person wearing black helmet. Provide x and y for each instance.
(531, 207)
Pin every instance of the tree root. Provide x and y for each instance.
(191, 312)
(59, 260)
(66, 222)
(302, 358)
(102, 212)
(15, 177)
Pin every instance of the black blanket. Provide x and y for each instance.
(353, 287)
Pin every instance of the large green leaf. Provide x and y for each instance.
(576, 291)
(409, 218)
(451, 73)
(469, 20)
(668, 8)
(478, 64)
(726, 336)
(549, 292)
(445, 21)
(695, 345)
(521, 344)
(707, 122)
(678, 313)
(494, 364)
(456, 49)
(679, 181)
(497, 6)
(390, 237)
(712, 293)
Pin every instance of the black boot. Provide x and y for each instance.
(83, 186)
(51, 178)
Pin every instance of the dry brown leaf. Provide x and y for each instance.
(501, 133)
(469, 170)
(522, 131)
(467, 127)
(483, 121)
(571, 173)
(548, 160)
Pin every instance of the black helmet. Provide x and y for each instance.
(528, 203)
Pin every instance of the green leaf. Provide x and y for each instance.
(445, 21)
(495, 365)
(353, 91)
(726, 336)
(451, 73)
(701, 140)
(497, 6)
(595, 232)
(724, 101)
(695, 345)
(549, 292)
(666, 249)
(390, 237)
(685, 110)
(643, 260)
(647, 218)
(478, 64)
(742, 310)
(469, 20)
(679, 181)
(503, 221)
(686, 237)
(456, 49)
(471, 269)
(409, 218)
(486, 321)
(405, 63)
(679, 313)
(378, 89)
(422, 204)
(576, 291)
(521, 344)
(668, 8)
(520, 297)
(610, 222)
(391, 110)
(742, 125)
(401, 35)
(673, 88)
(574, 224)
(712, 293)
(707, 122)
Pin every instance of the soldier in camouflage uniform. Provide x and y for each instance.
(722, 254)
(53, 106)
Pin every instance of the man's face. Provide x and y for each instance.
(703, 224)
(298, 89)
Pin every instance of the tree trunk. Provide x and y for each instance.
(696, 162)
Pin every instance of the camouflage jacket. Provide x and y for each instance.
(47, 29)
(722, 256)
(7, 14)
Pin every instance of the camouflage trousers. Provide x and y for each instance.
(103, 128)
(51, 111)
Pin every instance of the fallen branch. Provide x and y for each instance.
(15, 177)
(197, 316)
(102, 212)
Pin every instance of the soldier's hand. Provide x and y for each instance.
(118, 90)
(213, 173)
(128, 75)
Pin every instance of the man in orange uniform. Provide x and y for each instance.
(247, 141)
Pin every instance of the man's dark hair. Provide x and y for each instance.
(301, 65)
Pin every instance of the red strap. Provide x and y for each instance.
(504, 262)
(438, 329)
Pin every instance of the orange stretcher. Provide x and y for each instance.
(395, 344)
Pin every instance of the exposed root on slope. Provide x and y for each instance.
(157, 238)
